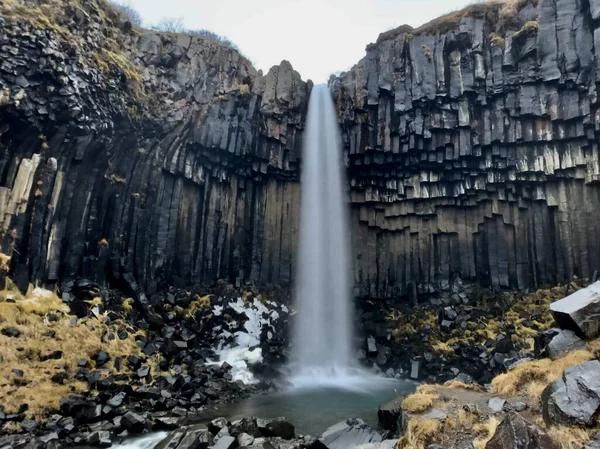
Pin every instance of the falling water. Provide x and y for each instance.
(323, 337)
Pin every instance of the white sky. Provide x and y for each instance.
(318, 37)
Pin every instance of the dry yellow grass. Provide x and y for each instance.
(420, 433)
(57, 15)
(594, 347)
(424, 398)
(423, 432)
(571, 437)
(427, 389)
(45, 327)
(127, 306)
(244, 89)
(458, 384)
(532, 377)
(4, 263)
(485, 431)
(500, 13)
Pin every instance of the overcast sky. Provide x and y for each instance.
(318, 37)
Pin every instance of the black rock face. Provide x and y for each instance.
(466, 153)
(467, 156)
(199, 184)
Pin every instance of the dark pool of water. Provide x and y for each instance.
(313, 410)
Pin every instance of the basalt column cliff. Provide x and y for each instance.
(150, 158)
(473, 149)
(142, 157)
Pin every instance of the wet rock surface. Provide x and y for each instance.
(347, 434)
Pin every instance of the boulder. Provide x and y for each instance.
(172, 440)
(389, 416)
(133, 423)
(496, 405)
(416, 367)
(541, 341)
(226, 442)
(100, 438)
(245, 439)
(196, 437)
(515, 432)
(279, 427)
(565, 341)
(580, 312)
(371, 345)
(348, 434)
(574, 399)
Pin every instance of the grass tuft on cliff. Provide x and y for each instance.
(92, 28)
(503, 15)
(41, 346)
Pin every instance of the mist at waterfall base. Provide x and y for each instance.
(322, 350)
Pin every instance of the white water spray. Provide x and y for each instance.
(145, 442)
(322, 343)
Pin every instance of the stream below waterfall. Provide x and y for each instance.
(311, 411)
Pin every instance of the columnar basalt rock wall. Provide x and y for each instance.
(472, 152)
(193, 181)
(475, 155)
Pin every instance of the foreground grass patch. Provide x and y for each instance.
(532, 378)
(42, 347)
(423, 399)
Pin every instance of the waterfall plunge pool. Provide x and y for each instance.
(311, 410)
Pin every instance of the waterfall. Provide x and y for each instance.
(322, 344)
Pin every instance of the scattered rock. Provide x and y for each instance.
(11, 332)
(100, 438)
(226, 442)
(133, 422)
(389, 416)
(349, 433)
(565, 341)
(574, 399)
(579, 312)
(415, 369)
(280, 427)
(101, 357)
(436, 414)
(520, 406)
(496, 405)
(515, 432)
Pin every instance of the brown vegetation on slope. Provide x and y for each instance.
(42, 347)
(502, 15)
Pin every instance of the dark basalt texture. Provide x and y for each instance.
(469, 154)
(192, 180)
(476, 157)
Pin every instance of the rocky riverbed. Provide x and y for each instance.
(79, 363)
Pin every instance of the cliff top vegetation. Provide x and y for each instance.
(502, 15)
